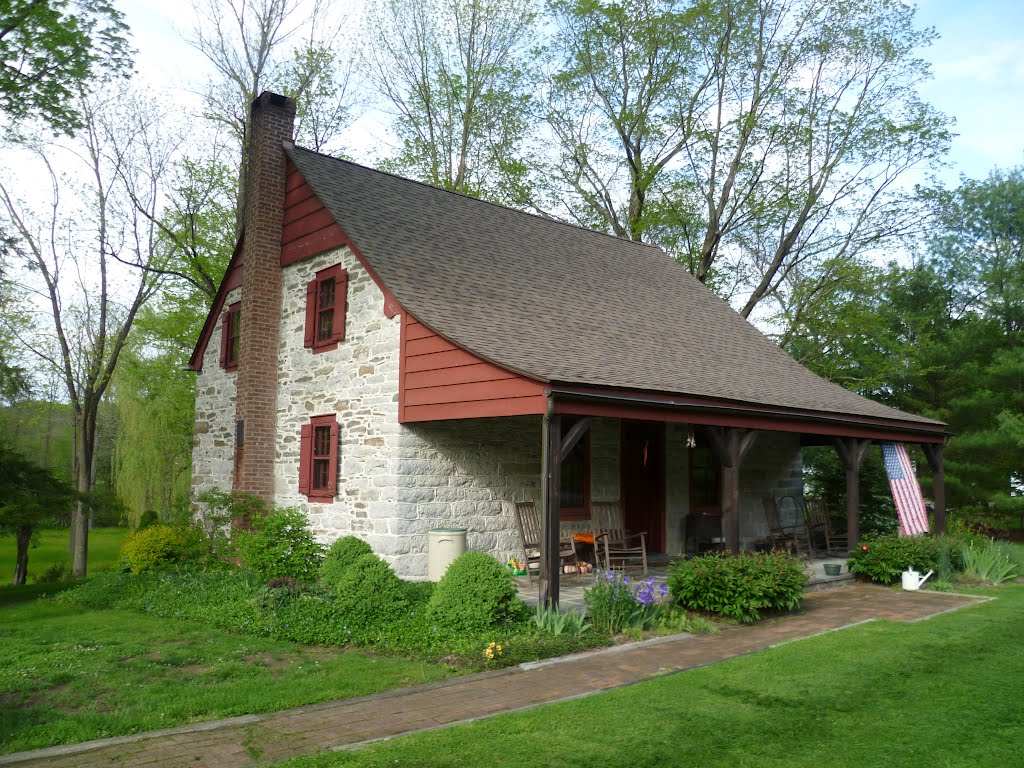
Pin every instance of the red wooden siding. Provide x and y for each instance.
(439, 380)
(308, 227)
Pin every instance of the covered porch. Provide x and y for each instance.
(693, 473)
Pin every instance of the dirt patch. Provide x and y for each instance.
(277, 666)
(194, 669)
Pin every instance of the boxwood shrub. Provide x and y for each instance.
(738, 587)
(475, 593)
(340, 556)
(370, 595)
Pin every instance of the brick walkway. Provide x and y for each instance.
(268, 738)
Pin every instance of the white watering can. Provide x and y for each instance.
(913, 580)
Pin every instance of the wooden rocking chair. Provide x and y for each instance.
(530, 534)
(610, 537)
(794, 538)
(818, 523)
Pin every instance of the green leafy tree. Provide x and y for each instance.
(51, 48)
(458, 76)
(754, 138)
(68, 254)
(30, 496)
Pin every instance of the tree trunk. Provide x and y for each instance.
(85, 438)
(24, 537)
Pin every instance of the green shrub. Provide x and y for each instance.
(279, 544)
(159, 546)
(475, 593)
(342, 554)
(370, 595)
(738, 587)
(992, 561)
(882, 559)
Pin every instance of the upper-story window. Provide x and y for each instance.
(325, 309)
(230, 336)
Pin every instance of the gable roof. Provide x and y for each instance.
(560, 303)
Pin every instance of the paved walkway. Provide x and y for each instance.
(265, 739)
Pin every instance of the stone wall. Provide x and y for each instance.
(358, 382)
(213, 441)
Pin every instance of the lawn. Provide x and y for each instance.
(70, 675)
(52, 547)
(943, 692)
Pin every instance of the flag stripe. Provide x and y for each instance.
(906, 492)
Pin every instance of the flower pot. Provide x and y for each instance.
(833, 569)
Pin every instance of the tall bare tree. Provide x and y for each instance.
(458, 77)
(289, 46)
(70, 255)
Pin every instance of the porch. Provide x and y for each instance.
(571, 589)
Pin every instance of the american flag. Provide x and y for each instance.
(906, 491)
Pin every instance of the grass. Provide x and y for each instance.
(944, 692)
(70, 675)
(51, 548)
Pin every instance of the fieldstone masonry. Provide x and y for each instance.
(213, 441)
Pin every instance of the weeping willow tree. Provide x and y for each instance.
(155, 401)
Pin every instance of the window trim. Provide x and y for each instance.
(232, 313)
(314, 310)
(308, 458)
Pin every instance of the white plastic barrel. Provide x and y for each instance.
(445, 544)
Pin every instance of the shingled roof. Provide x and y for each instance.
(560, 303)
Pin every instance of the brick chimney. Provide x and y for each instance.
(271, 122)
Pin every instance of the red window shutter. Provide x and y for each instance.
(310, 313)
(225, 338)
(305, 457)
(332, 467)
(340, 304)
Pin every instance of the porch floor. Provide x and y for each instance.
(571, 588)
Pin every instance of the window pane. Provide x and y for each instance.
(320, 473)
(321, 442)
(325, 325)
(325, 294)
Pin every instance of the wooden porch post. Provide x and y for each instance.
(554, 451)
(551, 508)
(933, 452)
(851, 452)
(730, 445)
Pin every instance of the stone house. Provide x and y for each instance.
(391, 358)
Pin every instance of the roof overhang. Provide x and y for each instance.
(650, 406)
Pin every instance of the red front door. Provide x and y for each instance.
(642, 461)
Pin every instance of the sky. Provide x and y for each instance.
(977, 63)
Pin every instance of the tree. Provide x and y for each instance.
(70, 258)
(29, 496)
(459, 78)
(51, 48)
(282, 45)
(153, 393)
(775, 130)
(622, 106)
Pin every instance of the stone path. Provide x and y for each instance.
(254, 740)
